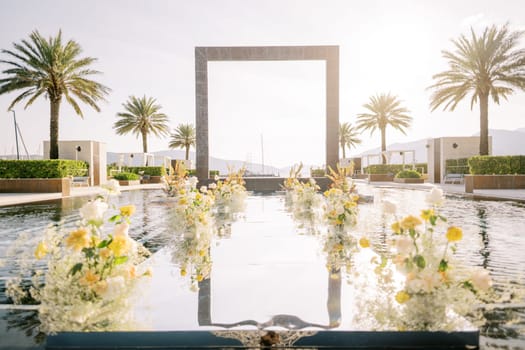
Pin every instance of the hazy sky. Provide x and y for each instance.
(147, 47)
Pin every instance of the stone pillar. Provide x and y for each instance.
(332, 108)
(201, 113)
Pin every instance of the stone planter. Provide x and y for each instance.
(128, 182)
(495, 182)
(62, 185)
(380, 177)
(151, 180)
(409, 180)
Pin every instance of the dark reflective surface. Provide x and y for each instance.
(494, 238)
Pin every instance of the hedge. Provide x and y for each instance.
(126, 176)
(193, 172)
(147, 170)
(408, 174)
(42, 169)
(457, 166)
(317, 172)
(497, 165)
(392, 168)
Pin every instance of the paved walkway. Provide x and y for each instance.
(20, 198)
(512, 195)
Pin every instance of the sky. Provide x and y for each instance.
(147, 48)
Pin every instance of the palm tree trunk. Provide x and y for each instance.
(343, 147)
(483, 124)
(383, 145)
(187, 152)
(53, 129)
(144, 141)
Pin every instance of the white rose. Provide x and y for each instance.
(116, 286)
(389, 207)
(193, 181)
(93, 210)
(121, 229)
(340, 209)
(212, 186)
(435, 197)
(481, 279)
(204, 189)
(112, 186)
(216, 177)
(404, 244)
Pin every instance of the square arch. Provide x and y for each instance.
(330, 54)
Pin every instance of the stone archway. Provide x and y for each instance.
(330, 54)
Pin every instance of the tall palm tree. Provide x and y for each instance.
(183, 137)
(385, 109)
(486, 65)
(348, 136)
(142, 117)
(55, 70)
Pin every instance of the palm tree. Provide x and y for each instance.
(486, 65)
(183, 137)
(142, 117)
(385, 110)
(50, 68)
(348, 136)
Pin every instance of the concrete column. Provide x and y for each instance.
(332, 108)
(201, 110)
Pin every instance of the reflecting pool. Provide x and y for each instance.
(266, 274)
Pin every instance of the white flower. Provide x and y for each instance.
(114, 288)
(435, 197)
(216, 177)
(204, 189)
(193, 181)
(121, 229)
(339, 209)
(389, 207)
(93, 210)
(481, 279)
(212, 186)
(112, 186)
(404, 244)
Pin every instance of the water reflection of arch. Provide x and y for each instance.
(290, 322)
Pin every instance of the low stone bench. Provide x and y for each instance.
(61, 185)
(494, 182)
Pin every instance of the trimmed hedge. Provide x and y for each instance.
(497, 165)
(393, 168)
(148, 170)
(457, 166)
(317, 172)
(126, 176)
(193, 172)
(408, 174)
(42, 169)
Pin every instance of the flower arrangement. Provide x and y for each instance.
(432, 287)
(307, 206)
(90, 273)
(230, 193)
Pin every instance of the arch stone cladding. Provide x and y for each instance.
(330, 54)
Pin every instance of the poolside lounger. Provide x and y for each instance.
(453, 179)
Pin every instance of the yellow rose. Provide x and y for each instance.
(104, 253)
(127, 210)
(78, 239)
(338, 247)
(89, 278)
(119, 246)
(396, 227)
(200, 277)
(183, 272)
(410, 222)
(402, 297)
(426, 214)
(364, 242)
(202, 252)
(41, 250)
(183, 201)
(454, 234)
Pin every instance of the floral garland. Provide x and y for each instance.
(90, 274)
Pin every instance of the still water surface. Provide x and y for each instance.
(494, 238)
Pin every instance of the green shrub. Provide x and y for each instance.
(213, 173)
(408, 174)
(317, 172)
(393, 168)
(497, 165)
(145, 170)
(126, 176)
(42, 169)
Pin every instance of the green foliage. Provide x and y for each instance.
(213, 173)
(145, 170)
(126, 176)
(317, 172)
(408, 174)
(42, 169)
(457, 166)
(393, 168)
(193, 172)
(497, 165)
